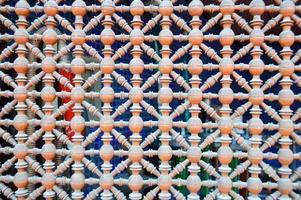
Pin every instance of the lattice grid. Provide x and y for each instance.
(168, 99)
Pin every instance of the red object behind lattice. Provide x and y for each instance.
(69, 114)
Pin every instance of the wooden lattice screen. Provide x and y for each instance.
(162, 99)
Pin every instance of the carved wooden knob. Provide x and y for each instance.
(287, 8)
(20, 122)
(48, 94)
(50, 37)
(256, 67)
(195, 37)
(224, 184)
(48, 65)
(255, 155)
(195, 96)
(22, 8)
(257, 7)
(285, 156)
(165, 37)
(21, 36)
(106, 181)
(135, 182)
(106, 152)
(165, 8)
(286, 127)
(194, 154)
(48, 151)
(225, 95)
(107, 94)
(165, 153)
(285, 186)
(77, 94)
(226, 37)
(165, 123)
(77, 152)
(21, 65)
(48, 180)
(257, 37)
(287, 38)
(227, 7)
(78, 8)
(225, 125)
(225, 155)
(226, 66)
(195, 66)
(108, 7)
(165, 66)
(106, 124)
(21, 179)
(194, 125)
(255, 126)
(48, 123)
(77, 181)
(164, 182)
(286, 67)
(137, 8)
(136, 37)
(107, 36)
(136, 66)
(77, 124)
(193, 184)
(256, 96)
(165, 95)
(254, 185)
(78, 66)
(195, 8)
(286, 97)
(107, 65)
(78, 37)
(20, 93)
(136, 95)
(20, 151)
(135, 124)
(50, 8)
